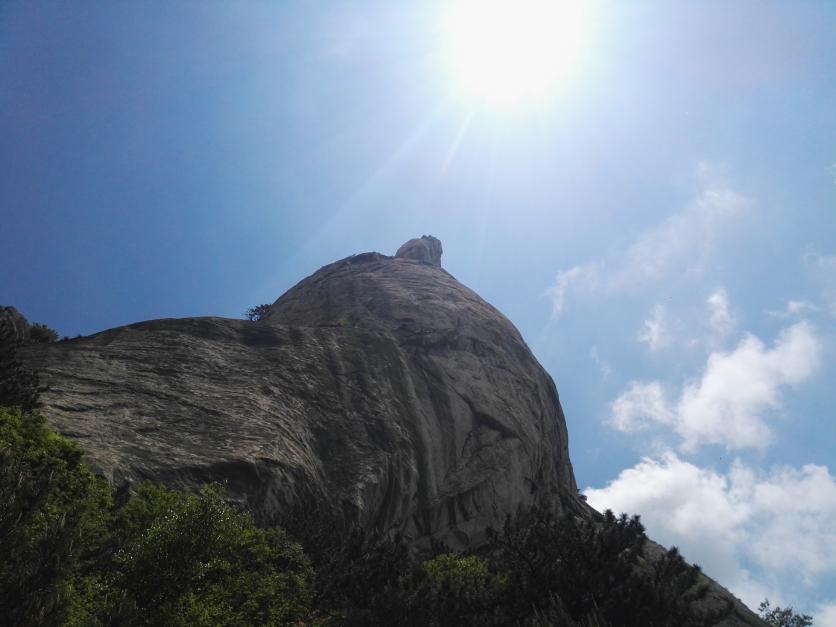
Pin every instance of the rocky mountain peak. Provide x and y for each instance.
(378, 387)
(425, 248)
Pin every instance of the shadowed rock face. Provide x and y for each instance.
(379, 385)
(14, 328)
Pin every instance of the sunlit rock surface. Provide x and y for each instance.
(425, 248)
(379, 386)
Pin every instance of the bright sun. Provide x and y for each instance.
(512, 52)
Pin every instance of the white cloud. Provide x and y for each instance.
(655, 331)
(682, 243)
(588, 274)
(662, 331)
(781, 521)
(603, 365)
(726, 405)
(823, 268)
(823, 262)
(640, 406)
(826, 615)
(720, 320)
(793, 308)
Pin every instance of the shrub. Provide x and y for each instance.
(257, 313)
(42, 334)
(18, 385)
(49, 504)
(73, 552)
(589, 572)
(70, 555)
(194, 560)
(783, 616)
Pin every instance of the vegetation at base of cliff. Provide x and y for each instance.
(72, 552)
(540, 569)
(18, 385)
(75, 552)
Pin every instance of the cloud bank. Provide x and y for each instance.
(682, 243)
(726, 405)
(781, 521)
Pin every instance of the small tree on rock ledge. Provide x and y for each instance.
(257, 313)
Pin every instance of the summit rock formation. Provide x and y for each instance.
(379, 386)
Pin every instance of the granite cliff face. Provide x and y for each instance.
(380, 385)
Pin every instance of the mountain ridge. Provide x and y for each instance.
(380, 386)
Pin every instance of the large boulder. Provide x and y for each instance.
(380, 386)
(425, 248)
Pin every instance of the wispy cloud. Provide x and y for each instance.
(720, 319)
(655, 332)
(781, 520)
(792, 308)
(823, 268)
(642, 405)
(587, 275)
(726, 406)
(826, 615)
(683, 243)
(603, 365)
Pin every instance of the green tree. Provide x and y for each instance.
(783, 616)
(18, 385)
(194, 560)
(42, 334)
(71, 555)
(49, 504)
(257, 313)
(568, 568)
(462, 572)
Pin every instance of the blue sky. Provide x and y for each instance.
(660, 225)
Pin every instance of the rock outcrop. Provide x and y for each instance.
(425, 248)
(379, 386)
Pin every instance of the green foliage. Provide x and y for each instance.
(462, 572)
(595, 572)
(70, 555)
(49, 502)
(783, 616)
(42, 334)
(366, 578)
(73, 552)
(194, 560)
(18, 385)
(257, 313)
(541, 569)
